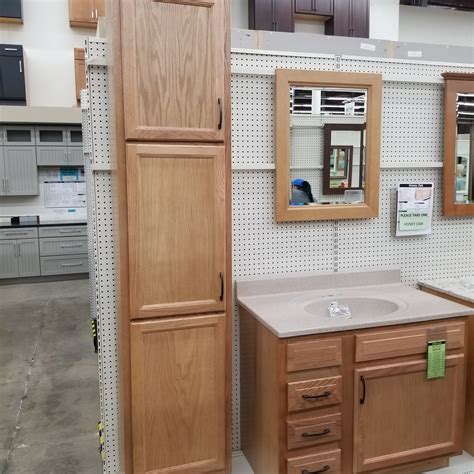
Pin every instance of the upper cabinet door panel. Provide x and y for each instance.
(176, 212)
(174, 69)
(82, 13)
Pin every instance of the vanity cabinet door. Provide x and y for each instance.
(400, 416)
(176, 213)
(178, 394)
(174, 69)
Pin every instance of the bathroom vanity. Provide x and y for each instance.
(323, 395)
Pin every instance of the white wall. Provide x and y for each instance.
(49, 44)
(436, 26)
(383, 21)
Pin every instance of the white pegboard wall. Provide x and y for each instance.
(412, 131)
(101, 223)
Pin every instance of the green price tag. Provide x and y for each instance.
(436, 359)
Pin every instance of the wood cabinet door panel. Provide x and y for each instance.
(176, 213)
(81, 13)
(174, 69)
(178, 394)
(404, 417)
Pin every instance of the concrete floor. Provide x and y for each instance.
(49, 393)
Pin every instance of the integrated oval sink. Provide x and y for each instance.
(358, 306)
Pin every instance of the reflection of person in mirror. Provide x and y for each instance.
(460, 175)
(301, 192)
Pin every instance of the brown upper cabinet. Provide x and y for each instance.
(351, 18)
(174, 93)
(85, 13)
(314, 7)
(79, 71)
(272, 15)
(176, 222)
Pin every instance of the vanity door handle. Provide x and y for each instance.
(362, 398)
(219, 104)
(322, 395)
(313, 434)
(221, 296)
(324, 469)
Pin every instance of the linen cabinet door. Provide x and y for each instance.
(174, 69)
(178, 394)
(425, 417)
(176, 213)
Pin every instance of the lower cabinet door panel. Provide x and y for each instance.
(8, 260)
(178, 394)
(28, 258)
(400, 416)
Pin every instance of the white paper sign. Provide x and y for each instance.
(414, 209)
(65, 194)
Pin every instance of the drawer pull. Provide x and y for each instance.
(324, 469)
(71, 264)
(322, 395)
(313, 434)
(62, 231)
(70, 246)
(16, 233)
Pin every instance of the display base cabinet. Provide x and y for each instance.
(178, 394)
(350, 402)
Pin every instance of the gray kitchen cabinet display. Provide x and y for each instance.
(20, 170)
(52, 156)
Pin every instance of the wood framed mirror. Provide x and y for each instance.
(327, 127)
(458, 197)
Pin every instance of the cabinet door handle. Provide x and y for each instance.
(322, 395)
(92, 14)
(72, 246)
(11, 49)
(324, 469)
(312, 434)
(71, 264)
(3, 185)
(21, 66)
(19, 249)
(219, 104)
(96, 14)
(16, 233)
(362, 398)
(7, 186)
(221, 296)
(74, 231)
(16, 249)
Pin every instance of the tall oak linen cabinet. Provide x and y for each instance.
(171, 73)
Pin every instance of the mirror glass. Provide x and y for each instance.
(464, 173)
(327, 145)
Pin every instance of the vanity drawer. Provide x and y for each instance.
(314, 393)
(409, 341)
(66, 231)
(63, 246)
(316, 354)
(329, 463)
(62, 265)
(19, 233)
(313, 431)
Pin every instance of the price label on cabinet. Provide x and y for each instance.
(436, 359)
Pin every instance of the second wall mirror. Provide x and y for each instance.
(327, 145)
(459, 144)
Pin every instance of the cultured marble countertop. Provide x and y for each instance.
(462, 288)
(286, 306)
